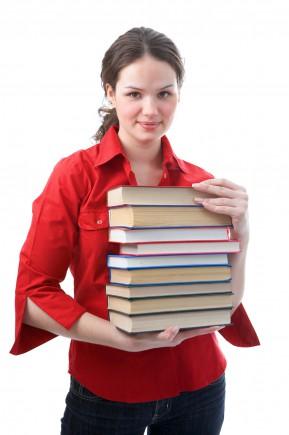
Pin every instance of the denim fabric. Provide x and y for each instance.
(199, 412)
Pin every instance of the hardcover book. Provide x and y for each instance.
(161, 321)
(124, 235)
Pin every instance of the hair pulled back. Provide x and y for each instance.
(127, 48)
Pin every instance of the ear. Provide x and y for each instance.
(109, 93)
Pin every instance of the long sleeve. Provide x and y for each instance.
(241, 333)
(47, 252)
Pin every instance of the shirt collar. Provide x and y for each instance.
(110, 146)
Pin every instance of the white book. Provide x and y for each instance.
(126, 262)
(124, 235)
(227, 246)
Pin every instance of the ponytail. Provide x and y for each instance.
(109, 117)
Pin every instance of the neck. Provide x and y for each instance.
(148, 154)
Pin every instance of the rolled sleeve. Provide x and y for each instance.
(241, 332)
(47, 253)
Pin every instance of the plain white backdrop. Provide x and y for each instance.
(232, 120)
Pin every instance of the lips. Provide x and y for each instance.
(149, 126)
(148, 123)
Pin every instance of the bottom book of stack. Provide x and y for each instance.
(154, 308)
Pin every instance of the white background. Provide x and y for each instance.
(232, 121)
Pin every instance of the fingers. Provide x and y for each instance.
(169, 333)
(215, 182)
(173, 331)
(201, 331)
(233, 207)
(170, 337)
(231, 199)
(222, 191)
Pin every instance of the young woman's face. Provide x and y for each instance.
(145, 99)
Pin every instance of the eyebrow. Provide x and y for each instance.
(139, 89)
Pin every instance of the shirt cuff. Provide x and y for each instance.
(56, 303)
(241, 332)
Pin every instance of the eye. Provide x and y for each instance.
(164, 94)
(133, 94)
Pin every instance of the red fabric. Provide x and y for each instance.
(69, 229)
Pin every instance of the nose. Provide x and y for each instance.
(150, 106)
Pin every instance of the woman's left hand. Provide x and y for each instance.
(231, 200)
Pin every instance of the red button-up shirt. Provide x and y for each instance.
(69, 229)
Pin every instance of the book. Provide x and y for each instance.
(167, 248)
(172, 268)
(162, 275)
(124, 235)
(169, 289)
(158, 195)
(161, 321)
(128, 262)
(168, 304)
(134, 216)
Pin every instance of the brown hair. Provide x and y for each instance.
(127, 48)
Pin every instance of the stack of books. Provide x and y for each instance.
(172, 267)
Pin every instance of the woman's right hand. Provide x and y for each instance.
(170, 337)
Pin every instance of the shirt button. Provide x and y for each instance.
(99, 221)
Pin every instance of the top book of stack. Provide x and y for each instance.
(154, 195)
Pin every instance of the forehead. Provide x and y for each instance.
(147, 70)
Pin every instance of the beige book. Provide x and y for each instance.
(159, 322)
(150, 195)
(145, 216)
(173, 303)
(140, 291)
(170, 274)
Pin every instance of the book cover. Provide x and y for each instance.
(129, 262)
(177, 275)
(168, 289)
(185, 247)
(159, 195)
(124, 235)
(159, 322)
(169, 304)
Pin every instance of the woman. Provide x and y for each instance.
(171, 381)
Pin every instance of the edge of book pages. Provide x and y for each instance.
(227, 308)
(167, 319)
(163, 283)
(176, 295)
(123, 190)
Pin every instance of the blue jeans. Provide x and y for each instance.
(199, 412)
